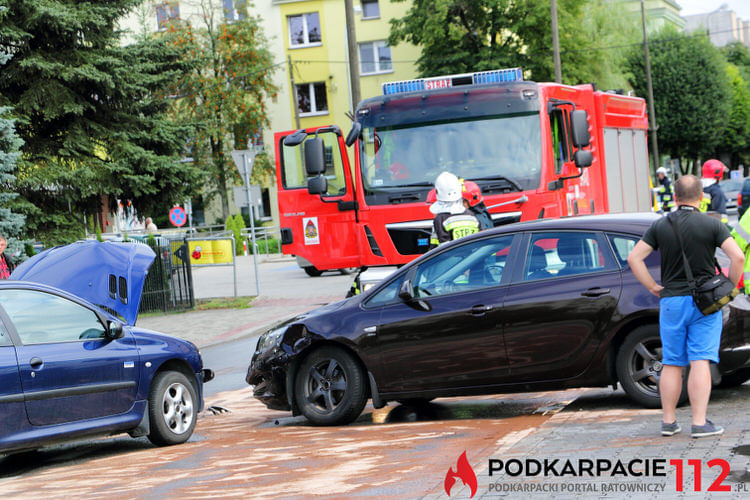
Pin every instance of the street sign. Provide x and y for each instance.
(240, 196)
(243, 158)
(177, 216)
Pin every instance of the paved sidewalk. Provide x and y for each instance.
(285, 292)
(601, 425)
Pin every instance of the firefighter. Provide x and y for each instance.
(474, 202)
(714, 199)
(741, 234)
(664, 192)
(452, 219)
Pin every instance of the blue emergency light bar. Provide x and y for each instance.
(444, 82)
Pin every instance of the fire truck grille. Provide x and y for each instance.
(410, 241)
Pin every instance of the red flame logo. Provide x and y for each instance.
(464, 472)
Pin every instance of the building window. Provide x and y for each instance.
(304, 30)
(370, 9)
(167, 13)
(312, 99)
(375, 57)
(234, 10)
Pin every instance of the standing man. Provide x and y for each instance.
(687, 336)
(664, 192)
(452, 219)
(714, 199)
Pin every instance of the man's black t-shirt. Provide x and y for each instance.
(700, 233)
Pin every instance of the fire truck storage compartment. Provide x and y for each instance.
(625, 154)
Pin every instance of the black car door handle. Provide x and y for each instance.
(35, 362)
(480, 309)
(595, 292)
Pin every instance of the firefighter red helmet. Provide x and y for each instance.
(713, 169)
(471, 193)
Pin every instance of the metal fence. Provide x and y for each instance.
(267, 240)
(169, 283)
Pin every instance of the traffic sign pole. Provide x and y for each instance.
(241, 161)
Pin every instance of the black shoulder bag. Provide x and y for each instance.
(713, 293)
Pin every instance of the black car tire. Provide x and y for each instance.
(173, 409)
(330, 387)
(735, 379)
(312, 271)
(639, 367)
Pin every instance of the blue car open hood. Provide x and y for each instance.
(108, 274)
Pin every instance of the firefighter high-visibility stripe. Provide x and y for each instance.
(742, 232)
(461, 225)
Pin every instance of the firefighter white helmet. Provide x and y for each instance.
(661, 170)
(447, 188)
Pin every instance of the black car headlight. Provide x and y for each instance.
(269, 340)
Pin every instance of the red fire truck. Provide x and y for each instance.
(535, 149)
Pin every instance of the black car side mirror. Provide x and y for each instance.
(114, 330)
(406, 294)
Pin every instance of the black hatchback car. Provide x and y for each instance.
(542, 305)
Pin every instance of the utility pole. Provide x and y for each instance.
(351, 42)
(651, 113)
(294, 93)
(556, 42)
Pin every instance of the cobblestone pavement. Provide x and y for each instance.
(600, 425)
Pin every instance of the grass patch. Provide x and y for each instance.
(224, 303)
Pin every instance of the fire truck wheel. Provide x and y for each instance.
(312, 271)
(639, 367)
(330, 387)
(348, 270)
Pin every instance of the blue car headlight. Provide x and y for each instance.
(270, 340)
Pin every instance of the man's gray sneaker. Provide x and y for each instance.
(709, 429)
(670, 429)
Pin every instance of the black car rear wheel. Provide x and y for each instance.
(639, 367)
(330, 387)
(735, 379)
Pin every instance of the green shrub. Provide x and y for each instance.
(236, 224)
(273, 245)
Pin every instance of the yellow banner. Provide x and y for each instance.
(207, 252)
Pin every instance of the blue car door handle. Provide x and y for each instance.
(36, 362)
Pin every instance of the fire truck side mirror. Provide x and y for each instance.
(353, 134)
(314, 156)
(295, 139)
(583, 158)
(317, 185)
(580, 125)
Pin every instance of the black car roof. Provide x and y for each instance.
(635, 223)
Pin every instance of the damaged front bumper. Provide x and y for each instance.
(267, 375)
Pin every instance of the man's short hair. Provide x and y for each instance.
(688, 188)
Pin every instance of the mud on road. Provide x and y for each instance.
(394, 452)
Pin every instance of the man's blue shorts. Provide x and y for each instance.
(686, 334)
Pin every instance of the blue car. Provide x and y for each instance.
(71, 369)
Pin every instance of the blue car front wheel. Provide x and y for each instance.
(172, 409)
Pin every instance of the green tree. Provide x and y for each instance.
(225, 93)
(459, 36)
(92, 114)
(692, 94)
(736, 137)
(738, 54)
(11, 224)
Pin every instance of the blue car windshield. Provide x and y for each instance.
(489, 147)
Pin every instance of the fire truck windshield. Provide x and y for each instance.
(504, 147)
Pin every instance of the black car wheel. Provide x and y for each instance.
(734, 379)
(330, 387)
(312, 271)
(172, 409)
(639, 367)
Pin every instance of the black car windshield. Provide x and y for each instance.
(492, 147)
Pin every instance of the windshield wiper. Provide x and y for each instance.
(416, 184)
(498, 187)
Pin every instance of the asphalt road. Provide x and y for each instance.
(229, 362)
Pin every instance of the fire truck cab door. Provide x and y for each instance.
(323, 227)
